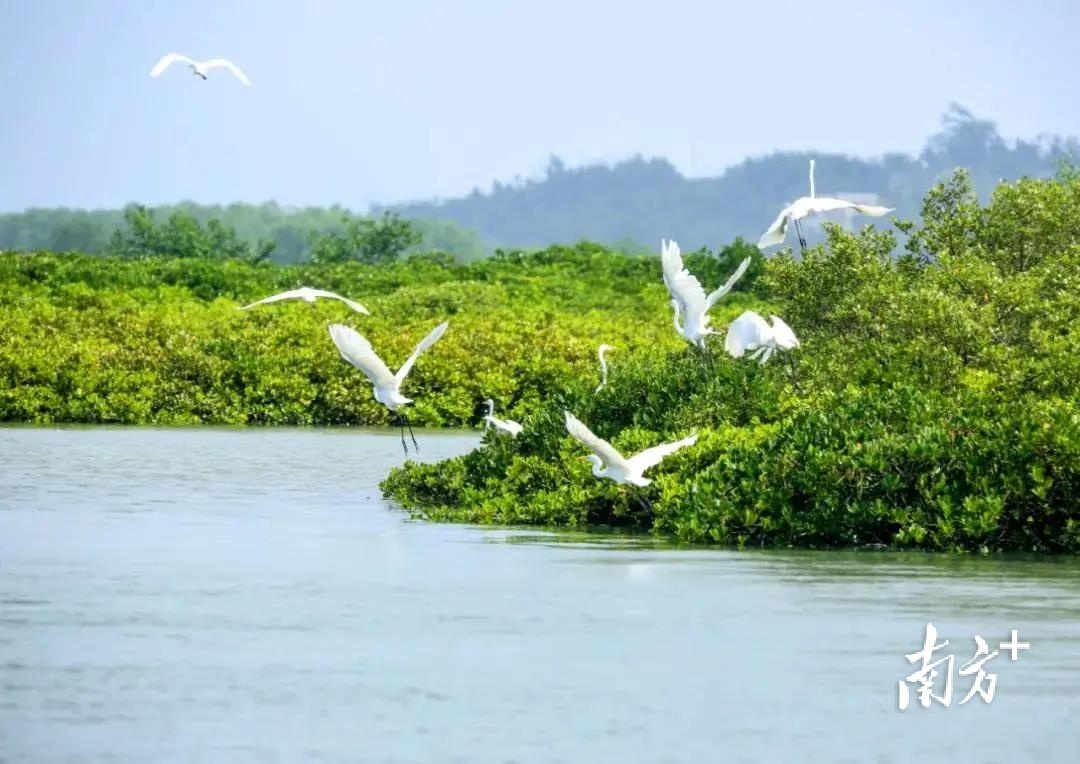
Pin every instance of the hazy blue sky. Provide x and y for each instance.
(354, 102)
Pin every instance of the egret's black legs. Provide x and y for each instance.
(401, 424)
(646, 504)
(802, 239)
(408, 424)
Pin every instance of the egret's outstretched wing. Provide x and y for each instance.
(166, 61)
(716, 295)
(828, 204)
(683, 285)
(873, 211)
(747, 332)
(214, 63)
(358, 351)
(351, 303)
(507, 425)
(650, 457)
(292, 294)
(425, 343)
(782, 334)
(597, 445)
(777, 231)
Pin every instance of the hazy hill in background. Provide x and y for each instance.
(632, 204)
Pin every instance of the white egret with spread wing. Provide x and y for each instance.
(387, 386)
(609, 463)
(198, 68)
(688, 297)
(307, 294)
(751, 332)
(810, 205)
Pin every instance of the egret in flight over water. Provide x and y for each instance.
(387, 386)
(506, 425)
(307, 294)
(603, 365)
(688, 297)
(809, 205)
(609, 463)
(198, 68)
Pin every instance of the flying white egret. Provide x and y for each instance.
(603, 365)
(307, 294)
(198, 68)
(358, 351)
(688, 296)
(809, 205)
(507, 425)
(609, 463)
(752, 332)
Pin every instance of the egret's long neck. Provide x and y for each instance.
(811, 178)
(675, 317)
(491, 407)
(603, 369)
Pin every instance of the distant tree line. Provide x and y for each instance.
(247, 232)
(629, 206)
(644, 200)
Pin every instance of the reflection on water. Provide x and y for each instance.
(246, 595)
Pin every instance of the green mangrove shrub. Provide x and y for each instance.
(938, 405)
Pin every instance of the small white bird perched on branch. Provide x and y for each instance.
(609, 463)
(358, 351)
(688, 296)
(307, 294)
(603, 365)
(198, 68)
(809, 205)
(507, 425)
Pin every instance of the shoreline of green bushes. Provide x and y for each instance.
(940, 408)
(937, 406)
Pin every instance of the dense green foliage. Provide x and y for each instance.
(940, 406)
(629, 206)
(160, 340)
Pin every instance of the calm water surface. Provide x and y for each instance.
(240, 596)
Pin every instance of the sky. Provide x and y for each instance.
(356, 102)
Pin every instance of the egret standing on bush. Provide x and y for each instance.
(809, 205)
(688, 296)
(358, 351)
(603, 365)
